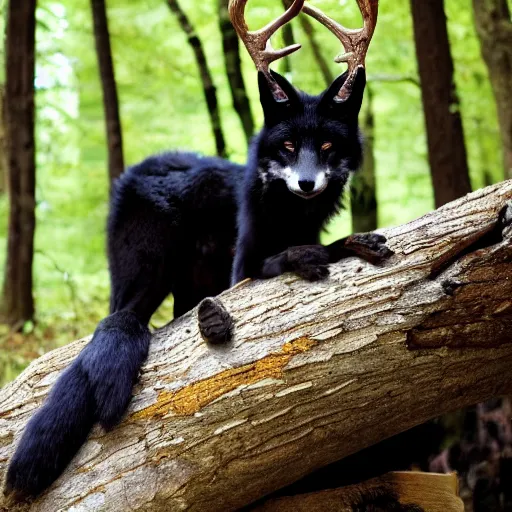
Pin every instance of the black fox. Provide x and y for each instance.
(190, 225)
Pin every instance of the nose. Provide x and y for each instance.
(306, 185)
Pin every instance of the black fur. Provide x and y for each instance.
(172, 229)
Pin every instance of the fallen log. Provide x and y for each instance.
(315, 372)
(415, 491)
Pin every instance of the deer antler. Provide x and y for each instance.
(355, 42)
(258, 44)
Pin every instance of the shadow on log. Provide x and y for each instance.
(316, 372)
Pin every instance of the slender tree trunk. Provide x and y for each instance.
(309, 30)
(445, 136)
(233, 65)
(3, 142)
(210, 92)
(494, 27)
(362, 190)
(18, 302)
(108, 82)
(288, 40)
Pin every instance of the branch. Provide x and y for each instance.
(414, 491)
(316, 371)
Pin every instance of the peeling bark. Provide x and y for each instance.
(315, 372)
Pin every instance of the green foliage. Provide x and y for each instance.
(162, 107)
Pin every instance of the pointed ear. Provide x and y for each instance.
(279, 99)
(350, 107)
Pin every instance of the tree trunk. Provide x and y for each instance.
(233, 65)
(363, 199)
(494, 28)
(288, 40)
(445, 136)
(18, 302)
(3, 142)
(209, 90)
(108, 83)
(309, 30)
(316, 371)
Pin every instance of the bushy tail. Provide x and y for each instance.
(95, 388)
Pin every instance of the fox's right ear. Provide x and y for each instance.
(279, 100)
(349, 107)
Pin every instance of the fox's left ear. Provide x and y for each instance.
(350, 107)
(276, 110)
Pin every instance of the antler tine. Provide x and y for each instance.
(355, 41)
(258, 43)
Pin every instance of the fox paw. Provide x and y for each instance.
(309, 262)
(370, 247)
(215, 323)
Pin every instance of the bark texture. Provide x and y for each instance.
(315, 372)
(109, 88)
(233, 65)
(494, 28)
(210, 92)
(18, 302)
(363, 197)
(3, 142)
(445, 135)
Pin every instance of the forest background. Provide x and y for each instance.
(162, 107)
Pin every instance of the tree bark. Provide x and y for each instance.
(210, 92)
(494, 28)
(3, 142)
(445, 136)
(108, 83)
(18, 302)
(316, 371)
(363, 198)
(234, 73)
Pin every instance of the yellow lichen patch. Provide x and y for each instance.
(299, 345)
(193, 397)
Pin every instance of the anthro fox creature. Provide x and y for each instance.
(176, 220)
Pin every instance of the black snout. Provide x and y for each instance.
(306, 185)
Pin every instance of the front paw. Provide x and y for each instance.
(215, 323)
(309, 262)
(370, 247)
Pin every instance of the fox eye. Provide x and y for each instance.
(289, 146)
(326, 146)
